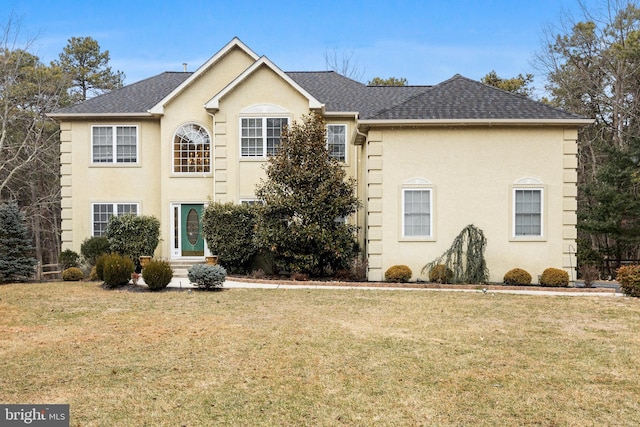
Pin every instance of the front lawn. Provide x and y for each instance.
(301, 357)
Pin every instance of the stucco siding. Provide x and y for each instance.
(471, 173)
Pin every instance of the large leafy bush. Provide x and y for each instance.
(133, 235)
(93, 247)
(229, 230)
(16, 251)
(306, 195)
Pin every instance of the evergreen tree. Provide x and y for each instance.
(16, 251)
(306, 195)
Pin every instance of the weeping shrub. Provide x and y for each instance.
(465, 257)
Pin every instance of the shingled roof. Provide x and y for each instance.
(458, 98)
(136, 98)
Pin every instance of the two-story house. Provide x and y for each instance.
(428, 160)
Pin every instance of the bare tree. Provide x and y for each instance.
(344, 64)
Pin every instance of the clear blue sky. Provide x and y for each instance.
(424, 41)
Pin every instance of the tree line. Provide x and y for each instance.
(29, 140)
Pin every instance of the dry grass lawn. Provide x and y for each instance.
(247, 357)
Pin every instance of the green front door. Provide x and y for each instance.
(192, 241)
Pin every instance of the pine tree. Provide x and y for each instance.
(305, 195)
(16, 251)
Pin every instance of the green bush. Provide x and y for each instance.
(133, 235)
(229, 231)
(398, 273)
(157, 274)
(517, 276)
(68, 259)
(629, 278)
(117, 270)
(207, 276)
(72, 274)
(554, 277)
(100, 266)
(92, 247)
(440, 273)
(16, 250)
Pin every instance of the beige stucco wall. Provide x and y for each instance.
(471, 171)
(84, 183)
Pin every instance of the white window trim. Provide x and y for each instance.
(543, 217)
(418, 187)
(115, 210)
(346, 145)
(173, 151)
(264, 118)
(114, 161)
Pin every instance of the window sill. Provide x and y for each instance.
(528, 239)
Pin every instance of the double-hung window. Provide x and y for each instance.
(417, 212)
(114, 144)
(527, 211)
(260, 136)
(102, 212)
(337, 142)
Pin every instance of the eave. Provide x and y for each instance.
(81, 116)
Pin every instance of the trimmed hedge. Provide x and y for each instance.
(207, 276)
(117, 270)
(554, 277)
(157, 274)
(398, 273)
(440, 273)
(629, 278)
(72, 274)
(517, 276)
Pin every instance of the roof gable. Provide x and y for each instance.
(214, 103)
(233, 44)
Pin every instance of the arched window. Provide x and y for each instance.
(191, 149)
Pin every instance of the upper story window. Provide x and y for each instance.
(101, 212)
(337, 142)
(114, 144)
(191, 149)
(260, 136)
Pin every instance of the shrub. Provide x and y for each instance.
(133, 235)
(299, 277)
(68, 259)
(157, 274)
(629, 278)
(229, 232)
(207, 276)
(589, 273)
(72, 274)
(100, 266)
(93, 247)
(554, 277)
(398, 273)
(358, 270)
(16, 250)
(117, 270)
(517, 276)
(440, 273)
(94, 274)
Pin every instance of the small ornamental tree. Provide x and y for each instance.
(133, 235)
(229, 230)
(306, 196)
(16, 250)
